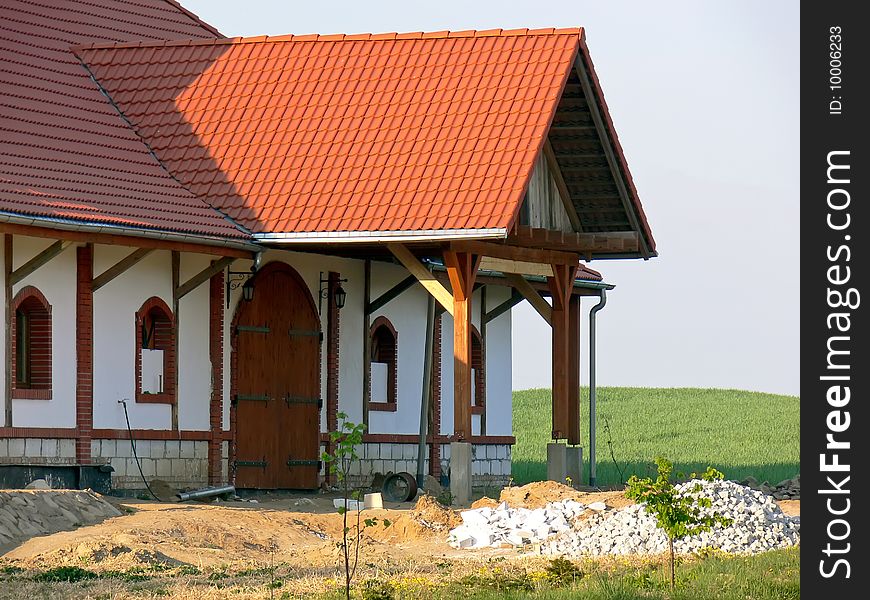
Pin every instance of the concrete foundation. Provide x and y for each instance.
(557, 462)
(460, 472)
(575, 464)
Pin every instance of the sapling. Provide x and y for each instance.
(677, 513)
(344, 443)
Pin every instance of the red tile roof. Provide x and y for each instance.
(363, 133)
(65, 152)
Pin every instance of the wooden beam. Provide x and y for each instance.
(176, 277)
(483, 357)
(502, 308)
(532, 255)
(561, 186)
(462, 269)
(423, 275)
(120, 267)
(520, 284)
(203, 276)
(124, 240)
(391, 294)
(609, 153)
(7, 275)
(367, 340)
(503, 282)
(37, 261)
(585, 244)
(503, 265)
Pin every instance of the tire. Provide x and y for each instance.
(399, 487)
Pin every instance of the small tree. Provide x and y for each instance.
(344, 442)
(677, 513)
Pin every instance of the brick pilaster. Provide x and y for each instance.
(84, 351)
(435, 430)
(216, 356)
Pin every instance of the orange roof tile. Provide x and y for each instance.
(65, 152)
(310, 134)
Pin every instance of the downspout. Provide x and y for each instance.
(592, 390)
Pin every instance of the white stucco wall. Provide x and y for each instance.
(498, 367)
(57, 282)
(115, 306)
(407, 313)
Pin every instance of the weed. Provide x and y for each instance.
(69, 574)
(563, 572)
(376, 589)
(445, 498)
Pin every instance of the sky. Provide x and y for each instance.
(704, 97)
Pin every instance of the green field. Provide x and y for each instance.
(740, 433)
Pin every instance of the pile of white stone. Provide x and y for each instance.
(505, 526)
(758, 525)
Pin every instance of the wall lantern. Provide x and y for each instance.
(339, 295)
(245, 279)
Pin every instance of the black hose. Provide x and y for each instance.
(135, 456)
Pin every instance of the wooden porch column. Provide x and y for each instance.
(574, 370)
(462, 270)
(561, 284)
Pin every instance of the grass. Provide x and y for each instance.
(740, 433)
(717, 576)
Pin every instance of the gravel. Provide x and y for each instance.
(758, 525)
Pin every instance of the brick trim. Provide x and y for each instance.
(112, 434)
(392, 362)
(41, 339)
(410, 438)
(216, 356)
(84, 351)
(168, 395)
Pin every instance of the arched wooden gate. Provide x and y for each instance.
(276, 341)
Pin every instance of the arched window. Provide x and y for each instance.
(155, 353)
(31, 345)
(478, 373)
(384, 362)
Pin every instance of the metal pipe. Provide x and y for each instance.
(427, 389)
(206, 492)
(592, 390)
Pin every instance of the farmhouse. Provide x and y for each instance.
(216, 246)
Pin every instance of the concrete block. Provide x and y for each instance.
(108, 448)
(148, 467)
(557, 462)
(445, 452)
(225, 470)
(120, 466)
(187, 449)
(49, 448)
(163, 467)
(574, 455)
(173, 449)
(4, 447)
(16, 448)
(378, 466)
(490, 452)
(500, 452)
(374, 500)
(131, 468)
(460, 472)
(158, 449)
(409, 452)
(225, 450)
(479, 467)
(200, 450)
(95, 448)
(123, 448)
(32, 447)
(66, 448)
(143, 448)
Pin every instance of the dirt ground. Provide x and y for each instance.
(300, 533)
